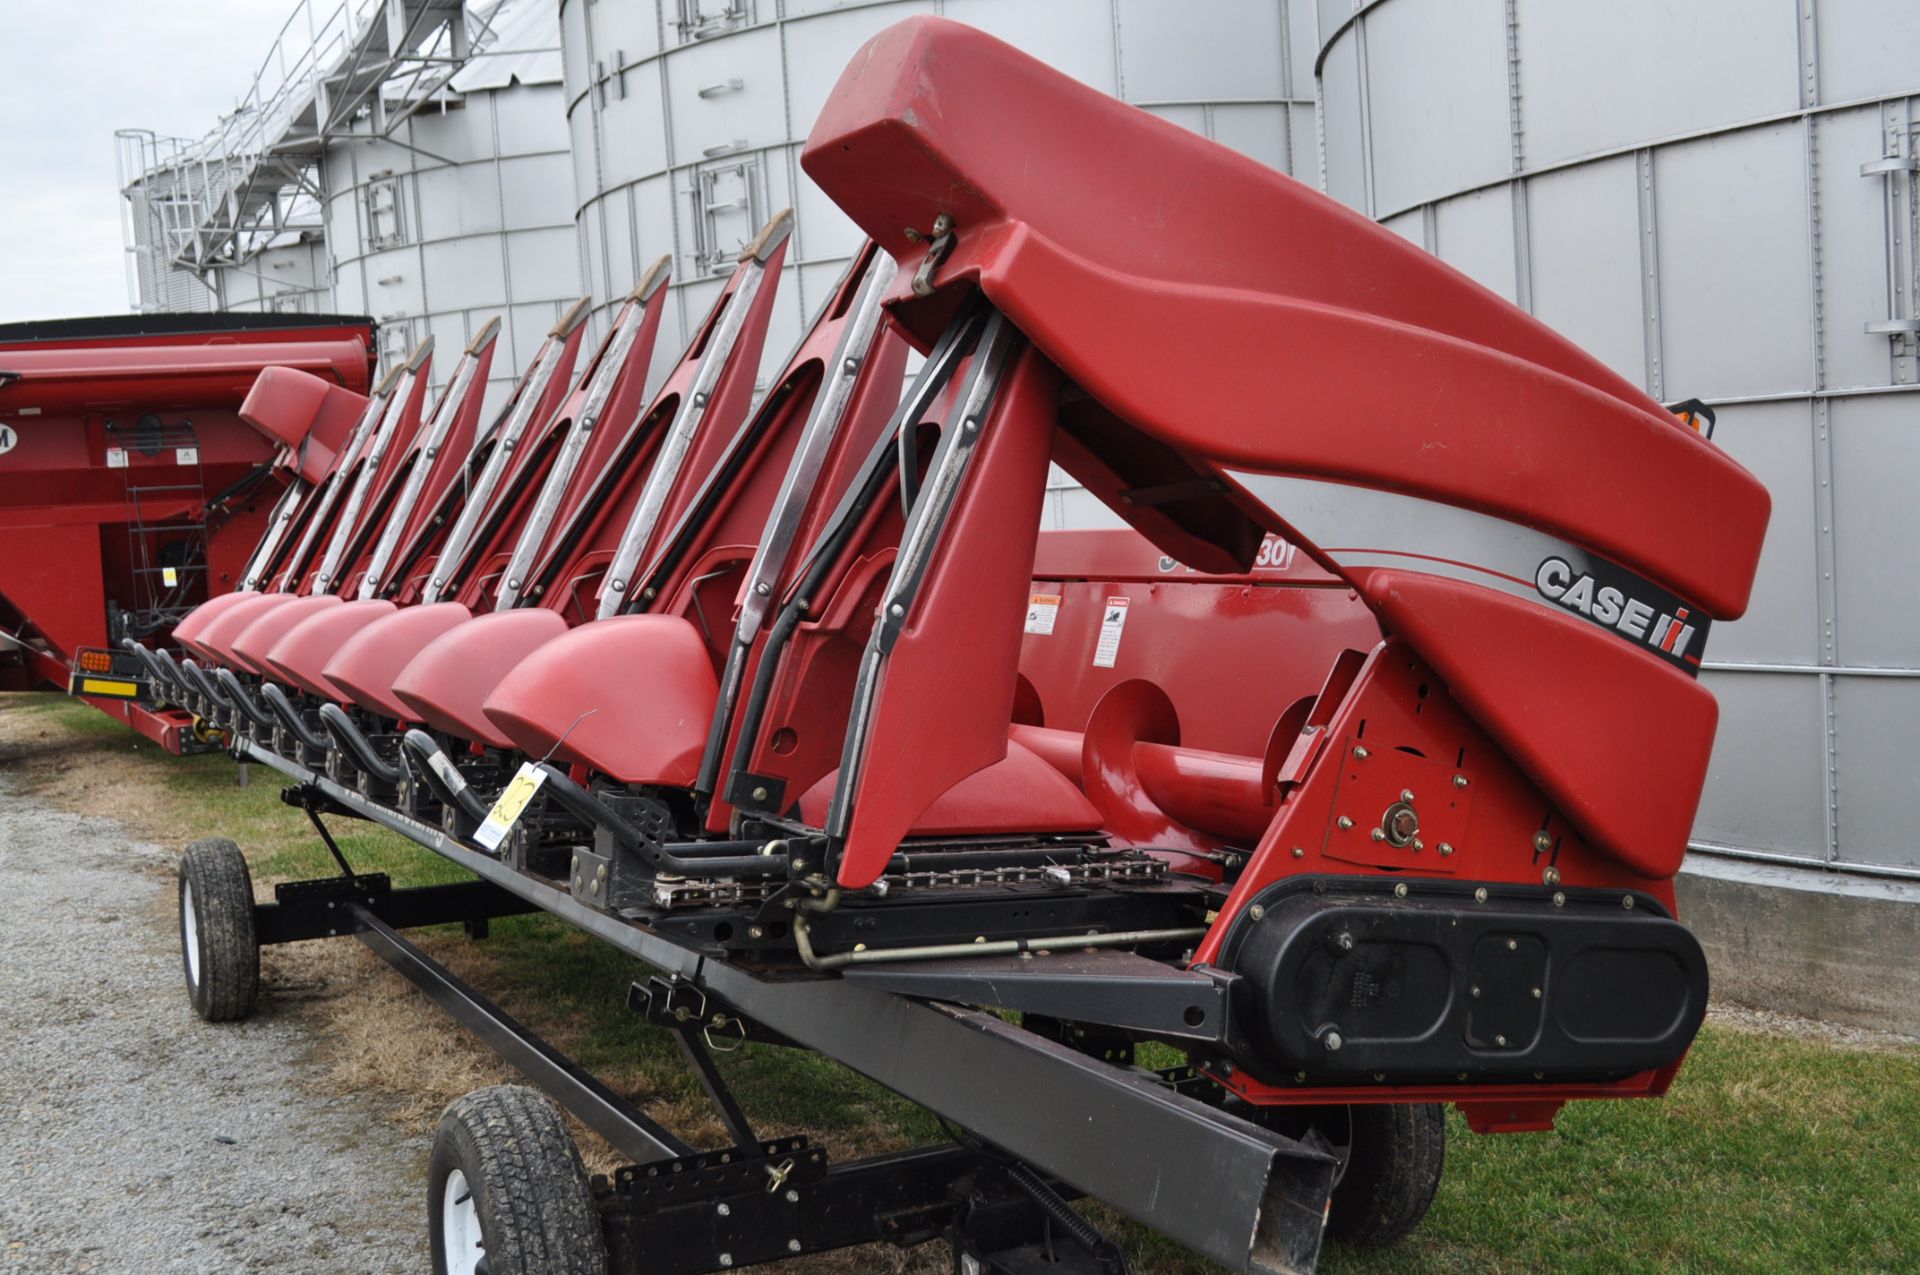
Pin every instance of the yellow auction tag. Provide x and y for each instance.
(508, 806)
(169, 577)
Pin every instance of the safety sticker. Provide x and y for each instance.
(1042, 610)
(1112, 621)
(506, 810)
(186, 455)
(116, 458)
(170, 577)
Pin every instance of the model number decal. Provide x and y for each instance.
(1637, 611)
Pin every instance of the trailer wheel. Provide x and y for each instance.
(218, 953)
(1394, 1156)
(506, 1192)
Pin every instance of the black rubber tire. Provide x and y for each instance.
(1395, 1158)
(537, 1215)
(227, 982)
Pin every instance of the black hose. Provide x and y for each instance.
(290, 718)
(442, 775)
(341, 727)
(204, 684)
(230, 683)
(590, 809)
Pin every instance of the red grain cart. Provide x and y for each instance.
(131, 488)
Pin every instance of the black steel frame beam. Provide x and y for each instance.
(291, 921)
(630, 1130)
(1241, 1195)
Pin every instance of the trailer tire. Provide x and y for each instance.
(506, 1178)
(218, 952)
(1395, 1155)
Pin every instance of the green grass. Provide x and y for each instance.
(1770, 1154)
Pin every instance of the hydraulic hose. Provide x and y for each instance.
(237, 693)
(442, 775)
(341, 727)
(589, 809)
(290, 718)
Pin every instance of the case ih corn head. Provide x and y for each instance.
(133, 486)
(1358, 771)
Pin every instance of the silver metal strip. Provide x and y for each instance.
(816, 440)
(343, 534)
(329, 490)
(417, 474)
(277, 523)
(513, 581)
(672, 455)
(479, 501)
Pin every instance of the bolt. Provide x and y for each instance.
(601, 872)
(1419, 845)
(1559, 899)
(1400, 890)
(1379, 1075)
(898, 610)
(1379, 834)
(793, 1246)
(756, 932)
(760, 794)
(850, 366)
(1343, 941)
(1626, 901)
(1474, 991)
(970, 425)
(1480, 895)
(1551, 876)
(1360, 752)
(619, 586)
(1536, 993)
(763, 588)
(793, 1196)
(1513, 945)
(1298, 853)
(1406, 795)
(726, 1259)
(1301, 1076)
(1445, 849)
(1332, 1041)
(1500, 1041)
(1542, 842)
(1344, 822)
(723, 1210)
(1256, 912)
(1459, 781)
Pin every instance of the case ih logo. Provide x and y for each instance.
(1640, 612)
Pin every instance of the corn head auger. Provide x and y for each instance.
(1357, 770)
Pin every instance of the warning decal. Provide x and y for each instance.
(1112, 620)
(1042, 610)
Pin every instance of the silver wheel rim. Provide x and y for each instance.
(190, 935)
(461, 1244)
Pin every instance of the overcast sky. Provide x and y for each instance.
(70, 74)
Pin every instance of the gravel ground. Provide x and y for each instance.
(133, 1136)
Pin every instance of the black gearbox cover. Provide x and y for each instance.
(1339, 979)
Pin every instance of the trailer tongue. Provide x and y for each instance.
(800, 708)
